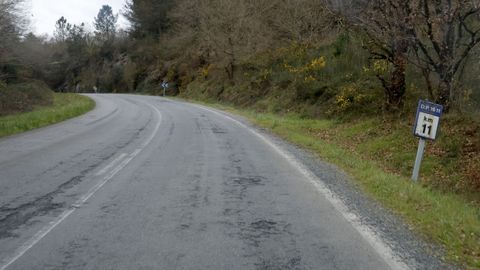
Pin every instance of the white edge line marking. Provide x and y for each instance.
(48, 228)
(385, 252)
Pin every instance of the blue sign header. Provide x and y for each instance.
(430, 108)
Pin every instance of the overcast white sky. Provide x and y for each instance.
(44, 13)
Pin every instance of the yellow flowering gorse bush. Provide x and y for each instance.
(205, 71)
(348, 97)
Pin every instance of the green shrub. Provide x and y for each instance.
(24, 97)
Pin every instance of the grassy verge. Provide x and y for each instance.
(380, 162)
(64, 106)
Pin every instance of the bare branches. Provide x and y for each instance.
(387, 26)
(228, 32)
(445, 33)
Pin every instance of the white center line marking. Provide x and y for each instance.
(367, 233)
(109, 166)
(48, 228)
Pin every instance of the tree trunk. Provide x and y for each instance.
(428, 82)
(444, 96)
(445, 87)
(230, 70)
(395, 90)
(231, 64)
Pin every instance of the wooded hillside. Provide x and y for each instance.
(378, 52)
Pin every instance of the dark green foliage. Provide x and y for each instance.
(11, 28)
(340, 44)
(82, 61)
(9, 72)
(149, 18)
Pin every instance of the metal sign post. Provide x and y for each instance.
(418, 159)
(426, 127)
(164, 86)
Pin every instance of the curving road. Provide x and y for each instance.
(147, 183)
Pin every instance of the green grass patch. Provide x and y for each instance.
(381, 162)
(65, 106)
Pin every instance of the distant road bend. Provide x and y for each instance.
(148, 183)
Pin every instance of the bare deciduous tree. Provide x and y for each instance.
(387, 25)
(445, 33)
(225, 31)
(300, 20)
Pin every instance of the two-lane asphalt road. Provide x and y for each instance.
(147, 183)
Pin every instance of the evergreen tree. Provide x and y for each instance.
(105, 24)
(149, 18)
(62, 29)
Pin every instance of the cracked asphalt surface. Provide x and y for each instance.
(203, 193)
